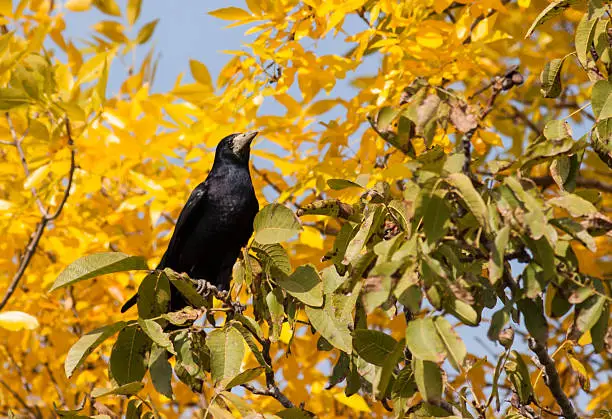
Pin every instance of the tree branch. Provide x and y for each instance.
(46, 217)
(271, 392)
(552, 378)
(546, 181)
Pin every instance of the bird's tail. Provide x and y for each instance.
(134, 299)
(129, 303)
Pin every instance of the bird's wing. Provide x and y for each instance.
(188, 216)
(185, 224)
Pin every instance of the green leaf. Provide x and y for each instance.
(463, 311)
(274, 302)
(330, 327)
(98, 264)
(273, 257)
(577, 231)
(128, 389)
(294, 413)
(498, 321)
(588, 313)
(496, 262)
(423, 340)
(584, 35)
(146, 32)
(373, 346)
(471, 197)
(385, 116)
(128, 358)
(600, 329)
(428, 378)
(403, 390)
(517, 372)
(436, 216)
(155, 332)
(389, 368)
(551, 78)
(134, 409)
(305, 285)
(602, 91)
(11, 98)
(331, 279)
(574, 204)
(160, 370)
(87, 344)
(226, 350)
(455, 348)
(557, 129)
(369, 226)
(553, 9)
(339, 184)
(185, 287)
(245, 377)
(533, 313)
(275, 223)
(153, 295)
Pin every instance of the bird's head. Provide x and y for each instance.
(236, 146)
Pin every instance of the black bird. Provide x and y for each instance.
(217, 220)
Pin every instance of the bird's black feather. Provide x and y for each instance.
(215, 223)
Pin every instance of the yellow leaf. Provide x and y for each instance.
(482, 29)
(441, 5)
(6, 7)
(355, 402)
(78, 5)
(310, 236)
(524, 3)
(36, 177)
(230, 13)
(133, 10)
(5, 205)
(109, 7)
(321, 106)
(490, 138)
(286, 333)
(146, 32)
(577, 366)
(200, 73)
(430, 39)
(111, 29)
(585, 339)
(17, 320)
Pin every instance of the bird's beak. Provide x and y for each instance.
(241, 141)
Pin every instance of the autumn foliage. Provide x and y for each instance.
(462, 185)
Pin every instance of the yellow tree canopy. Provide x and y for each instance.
(462, 181)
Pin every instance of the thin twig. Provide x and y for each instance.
(546, 181)
(552, 378)
(19, 399)
(46, 218)
(17, 144)
(271, 392)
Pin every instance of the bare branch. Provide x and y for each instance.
(46, 218)
(17, 143)
(546, 181)
(552, 378)
(271, 392)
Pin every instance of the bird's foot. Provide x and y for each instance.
(237, 307)
(203, 287)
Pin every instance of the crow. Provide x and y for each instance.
(216, 222)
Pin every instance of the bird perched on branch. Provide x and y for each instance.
(216, 222)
